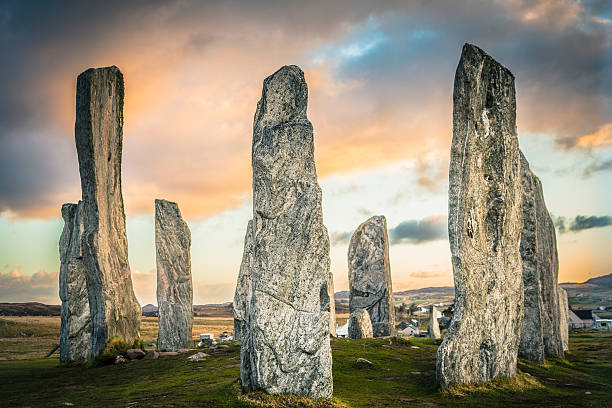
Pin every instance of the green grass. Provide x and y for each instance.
(403, 375)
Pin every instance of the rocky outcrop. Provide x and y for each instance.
(287, 349)
(242, 296)
(75, 332)
(174, 285)
(563, 318)
(99, 137)
(540, 336)
(370, 275)
(484, 225)
(433, 329)
(360, 325)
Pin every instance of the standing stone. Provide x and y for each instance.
(370, 275)
(433, 329)
(75, 332)
(540, 336)
(484, 225)
(99, 136)
(563, 318)
(332, 306)
(242, 296)
(288, 346)
(360, 325)
(174, 287)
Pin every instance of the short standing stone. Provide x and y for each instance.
(242, 295)
(540, 336)
(360, 325)
(433, 329)
(174, 286)
(75, 332)
(287, 349)
(563, 318)
(370, 275)
(99, 137)
(484, 225)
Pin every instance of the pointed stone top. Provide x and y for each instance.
(475, 56)
(375, 219)
(107, 70)
(167, 206)
(283, 99)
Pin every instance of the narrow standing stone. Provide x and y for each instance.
(75, 332)
(99, 136)
(540, 336)
(332, 306)
(288, 346)
(360, 325)
(370, 275)
(174, 286)
(484, 225)
(563, 318)
(242, 296)
(433, 329)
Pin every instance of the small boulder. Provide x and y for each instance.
(197, 356)
(120, 360)
(151, 355)
(363, 363)
(168, 353)
(135, 354)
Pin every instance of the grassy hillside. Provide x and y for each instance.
(403, 375)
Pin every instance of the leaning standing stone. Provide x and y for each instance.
(563, 318)
(242, 296)
(174, 286)
(75, 332)
(288, 346)
(99, 137)
(433, 329)
(484, 225)
(370, 275)
(360, 325)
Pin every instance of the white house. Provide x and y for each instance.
(600, 323)
(342, 331)
(411, 331)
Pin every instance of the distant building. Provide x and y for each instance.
(411, 331)
(580, 319)
(600, 323)
(342, 331)
(401, 325)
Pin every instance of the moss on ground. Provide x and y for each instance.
(402, 375)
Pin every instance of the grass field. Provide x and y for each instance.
(403, 375)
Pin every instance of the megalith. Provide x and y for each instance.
(540, 336)
(332, 306)
(484, 224)
(370, 285)
(174, 284)
(287, 349)
(563, 318)
(99, 136)
(242, 295)
(360, 325)
(75, 331)
(433, 329)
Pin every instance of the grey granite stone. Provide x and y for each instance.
(563, 318)
(433, 329)
(242, 296)
(370, 284)
(360, 325)
(485, 224)
(174, 284)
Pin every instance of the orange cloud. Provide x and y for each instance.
(602, 137)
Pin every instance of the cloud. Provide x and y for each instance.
(581, 222)
(339, 238)
(426, 275)
(428, 229)
(39, 287)
(597, 166)
(601, 137)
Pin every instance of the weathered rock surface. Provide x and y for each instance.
(242, 296)
(540, 336)
(332, 306)
(360, 325)
(99, 137)
(287, 349)
(485, 224)
(433, 329)
(75, 332)
(370, 275)
(174, 286)
(135, 354)
(563, 318)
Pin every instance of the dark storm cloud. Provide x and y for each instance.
(581, 222)
(428, 229)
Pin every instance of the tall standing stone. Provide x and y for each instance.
(484, 225)
(563, 318)
(99, 136)
(242, 296)
(174, 285)
(540, 336)
(370, 285)
(360, 325)
(433, 329)
(288, 347)
(332, 306)
(75, 332)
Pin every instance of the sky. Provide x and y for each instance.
(380, 77)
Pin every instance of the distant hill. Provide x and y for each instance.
(29, 309)
(602, 281)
